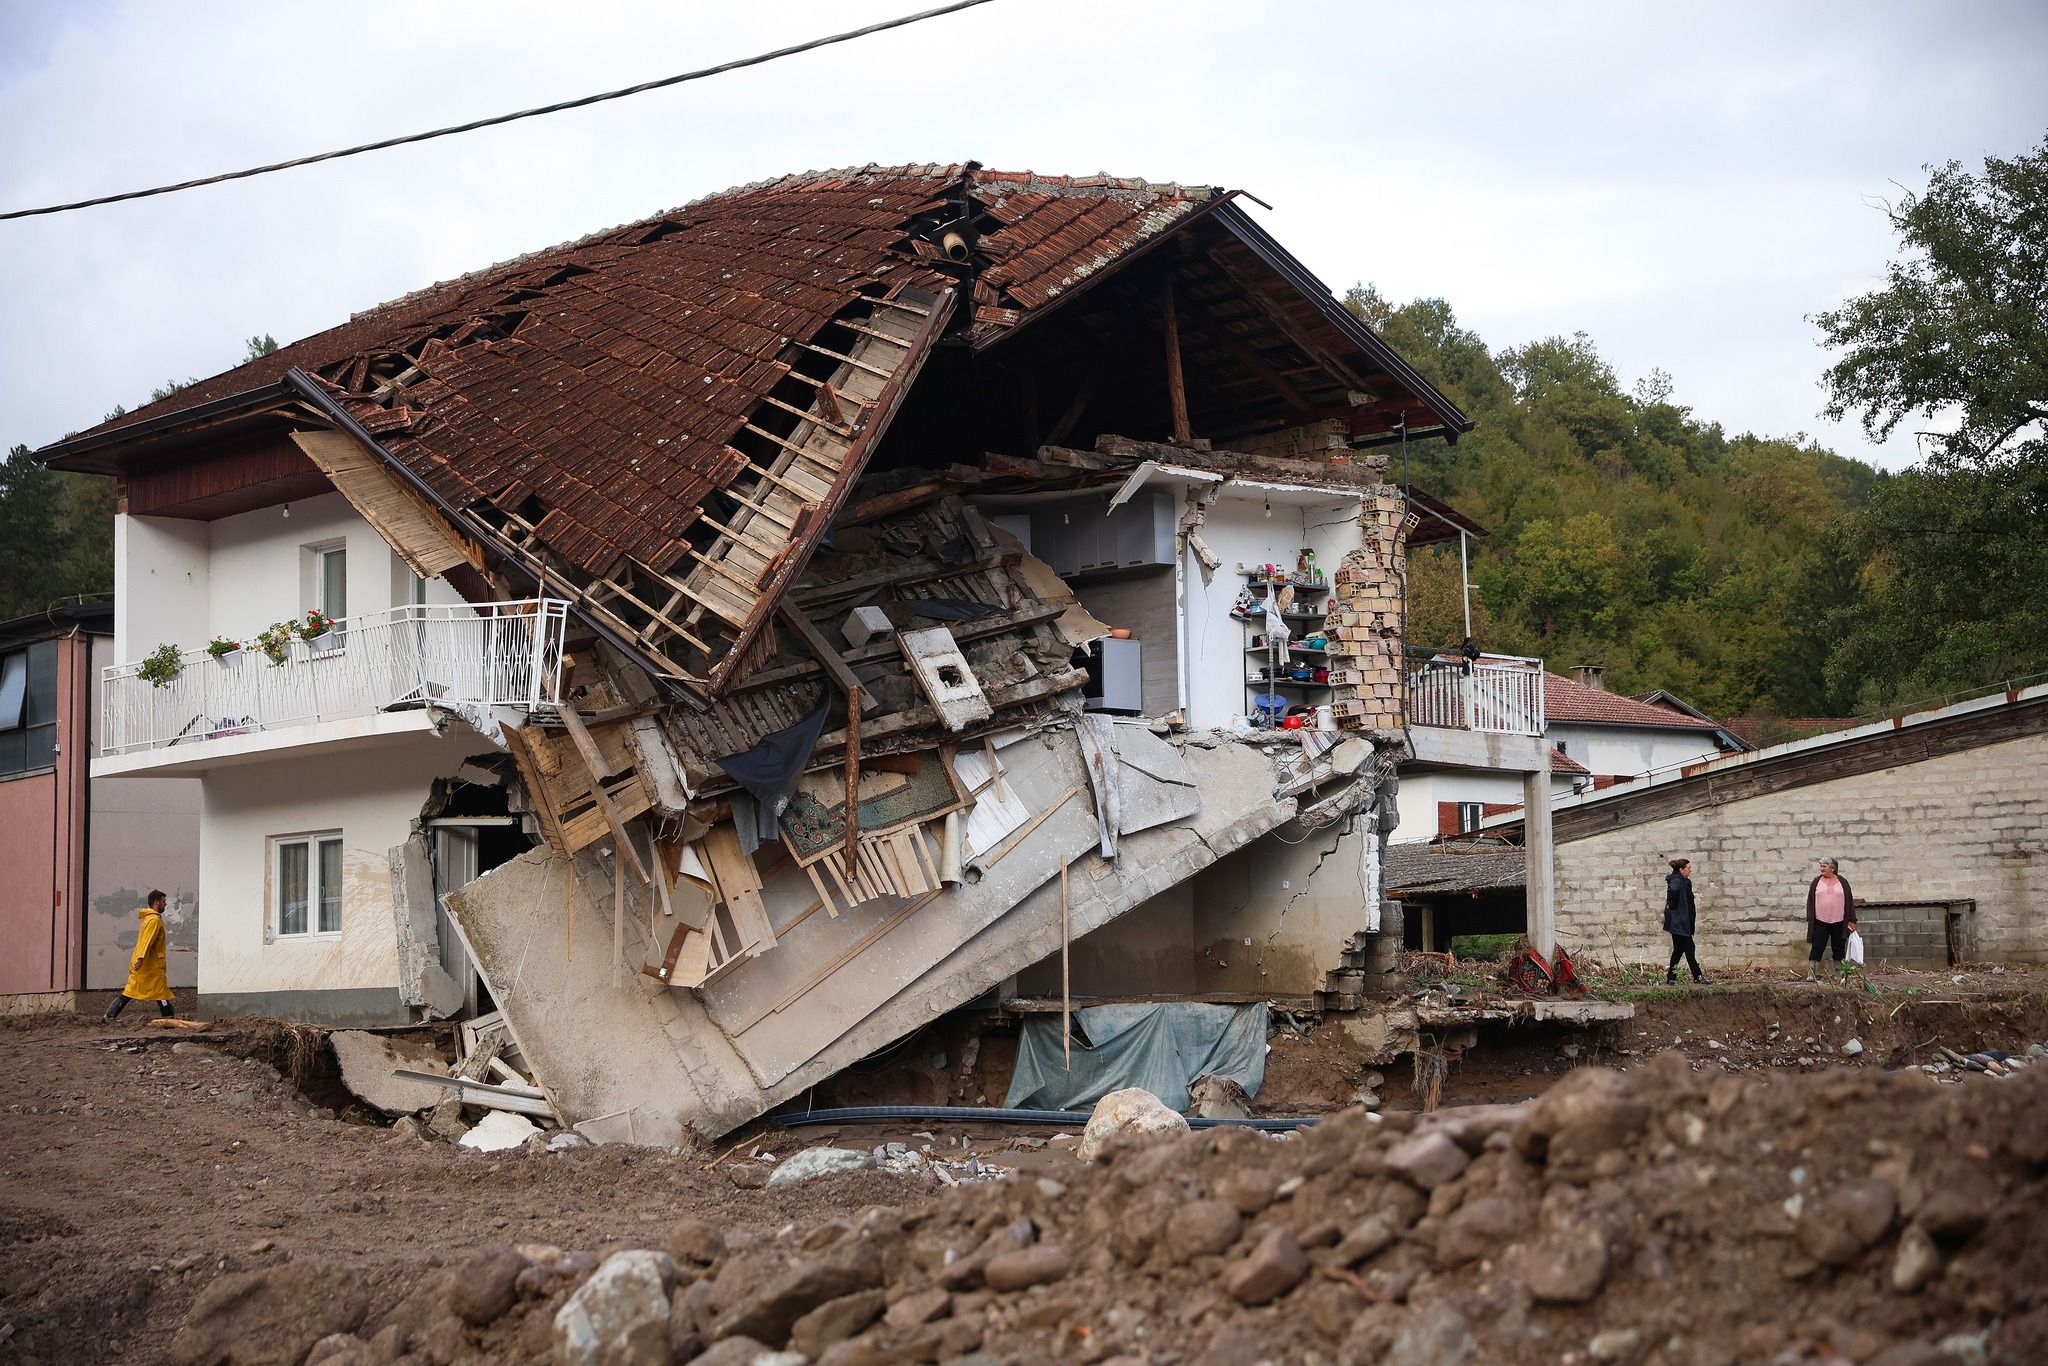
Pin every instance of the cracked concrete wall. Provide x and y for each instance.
(1149, 863)
(1274, 917)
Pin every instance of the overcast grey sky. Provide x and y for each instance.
(1686, 183)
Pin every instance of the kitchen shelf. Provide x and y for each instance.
(1259, 580)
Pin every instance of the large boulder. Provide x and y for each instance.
(618, 1317)
(1131, 1111)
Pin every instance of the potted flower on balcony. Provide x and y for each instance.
(161, 667)
(275, 641)
(226, 653)
(316, 629)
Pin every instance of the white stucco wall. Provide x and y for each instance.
(184, 582)
(371, 796)
(264, 568)
(1419, 794)
(161, 583)
(1629, 750)
(1239, 532)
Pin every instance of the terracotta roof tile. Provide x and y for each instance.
(1565, 700)
(1561, 762)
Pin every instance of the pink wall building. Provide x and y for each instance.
(77, 854)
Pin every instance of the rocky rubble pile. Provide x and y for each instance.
(1657, 1215)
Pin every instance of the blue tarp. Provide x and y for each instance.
(1163, 1048)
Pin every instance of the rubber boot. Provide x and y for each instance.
(116, 1006)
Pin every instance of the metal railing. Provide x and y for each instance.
(500, 654)
(1498, 693)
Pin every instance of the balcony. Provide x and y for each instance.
(375, 667)
(1498, 694)
(1477, 713)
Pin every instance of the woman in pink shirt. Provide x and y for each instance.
(1830, 916)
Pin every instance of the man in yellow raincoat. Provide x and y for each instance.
(146, 980)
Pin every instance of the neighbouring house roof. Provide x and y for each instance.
(93, 618)
(1417, 870)
(662, 419)
(1569, 701)
(1564, 763)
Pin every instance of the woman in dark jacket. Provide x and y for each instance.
(1681, 915)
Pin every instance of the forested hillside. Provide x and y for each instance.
(1625, 530)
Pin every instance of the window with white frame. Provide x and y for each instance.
(1469, 815)
(307, 876)
(330, 583)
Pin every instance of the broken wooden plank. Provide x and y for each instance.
(739, 886)
(600, 768)
(422, 538)
(1176, 384)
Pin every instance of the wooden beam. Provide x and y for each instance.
(1082, 397)
(822, 651)
(888, 504)
(1251, 361)
(599, 770)
(1176, 386)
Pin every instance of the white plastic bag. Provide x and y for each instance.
(1855, 948)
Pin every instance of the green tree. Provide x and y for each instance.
(1956, 578)
(40, 532)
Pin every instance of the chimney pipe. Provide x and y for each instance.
(1592, 676)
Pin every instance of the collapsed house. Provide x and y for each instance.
(728, 642)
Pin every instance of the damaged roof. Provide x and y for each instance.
(660, 421)
(1414, 870)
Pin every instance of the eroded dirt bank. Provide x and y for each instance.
(184, 1204)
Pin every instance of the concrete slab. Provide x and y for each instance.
(598, 1049)
(1158, 786)
(368, 1060)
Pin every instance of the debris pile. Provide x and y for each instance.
(1653, 1215)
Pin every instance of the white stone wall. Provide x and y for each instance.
(1973, 824)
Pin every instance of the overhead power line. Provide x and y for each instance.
(758, 60)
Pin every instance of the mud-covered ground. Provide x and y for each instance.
(1752, 1199)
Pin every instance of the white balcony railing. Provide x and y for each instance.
(1498, 693)
(501, 654)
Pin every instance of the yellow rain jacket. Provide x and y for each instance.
(146, 981)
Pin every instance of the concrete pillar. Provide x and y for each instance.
(1540, 883)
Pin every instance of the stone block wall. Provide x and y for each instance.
(1971, 824)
